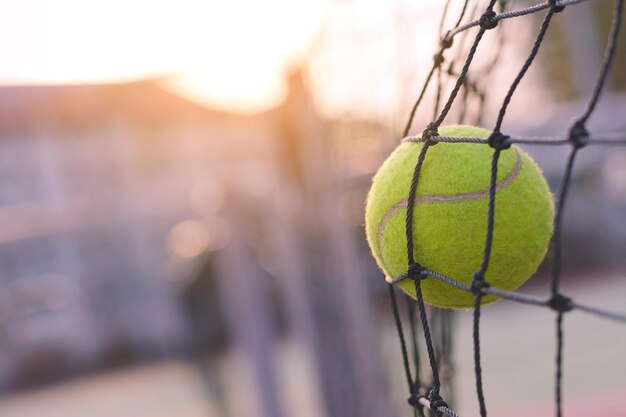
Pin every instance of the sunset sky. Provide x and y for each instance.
(229, 54)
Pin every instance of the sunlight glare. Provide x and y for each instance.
(227, 54)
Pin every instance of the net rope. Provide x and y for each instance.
(577, 137)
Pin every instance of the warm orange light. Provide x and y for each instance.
(188, 238)
(229, 54)
(191, 238)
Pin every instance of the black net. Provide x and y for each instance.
(576, 136)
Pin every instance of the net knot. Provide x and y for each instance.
(414, 400)
(578, 135)
(416, 272)
(436, 401)
(438, 58)
(446, 41)
(478, 283)
(487, 20)
(557, 8)
(498, 140)
(430, 133)
(560, 303)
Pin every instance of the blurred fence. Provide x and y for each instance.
(137, 226)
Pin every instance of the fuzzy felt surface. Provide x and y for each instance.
(450, 216)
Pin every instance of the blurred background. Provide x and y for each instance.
(181, 209)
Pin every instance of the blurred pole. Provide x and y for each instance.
(245, 302)
(339, 327)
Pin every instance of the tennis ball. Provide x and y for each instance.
(450, 216)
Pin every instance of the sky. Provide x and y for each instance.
(228, 54)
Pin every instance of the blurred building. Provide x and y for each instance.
(108, 192)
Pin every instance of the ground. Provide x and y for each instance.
(518, 369)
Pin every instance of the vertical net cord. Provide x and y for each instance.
(607, 60)
(411, 313)
(407, 128)
(438, 94)
(432, 357)
(439, 58)
(464, 98)
(498, 141)
(578, 134)
(434, 394)
(419, 411)
(489, 69)
(405, 355)
(446, 350)
(443, 17)
(490, 215)
(580, 124)
(556, 270)
(556, 250)
(461, 79)
(468, 86)
(477, 361)
(479, 281)
(538, 40)
(463, 10)
(559, 364)
(464, 35)
(411, 259)
(463, 74)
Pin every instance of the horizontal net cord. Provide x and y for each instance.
(601, 139)
(513, 13)
(515, 296)
(600, 313)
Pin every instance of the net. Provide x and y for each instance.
(577, 137)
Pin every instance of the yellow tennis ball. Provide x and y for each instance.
(450, 216)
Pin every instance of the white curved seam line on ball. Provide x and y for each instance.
(442, 198)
